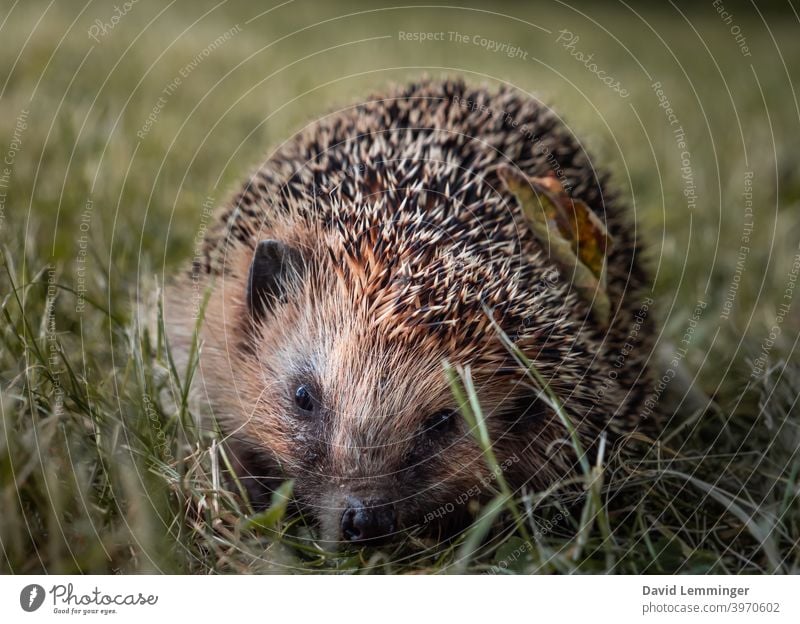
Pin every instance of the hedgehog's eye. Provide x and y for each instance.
(441, 421)
(303, 399)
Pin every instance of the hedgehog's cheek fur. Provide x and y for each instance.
(254, 469)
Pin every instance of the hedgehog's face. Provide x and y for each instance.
(363, 421)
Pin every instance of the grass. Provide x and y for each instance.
(100, 473)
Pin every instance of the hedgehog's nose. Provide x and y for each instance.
(371, 522)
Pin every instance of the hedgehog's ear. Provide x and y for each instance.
(274, 267)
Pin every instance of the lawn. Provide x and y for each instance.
(120, 124)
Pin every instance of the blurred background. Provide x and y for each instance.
(120, 121)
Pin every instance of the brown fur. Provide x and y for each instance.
(408, 236)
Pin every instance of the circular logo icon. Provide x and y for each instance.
(31, 597)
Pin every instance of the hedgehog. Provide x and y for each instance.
(365, 256)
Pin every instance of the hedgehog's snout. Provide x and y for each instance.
(370, 522)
